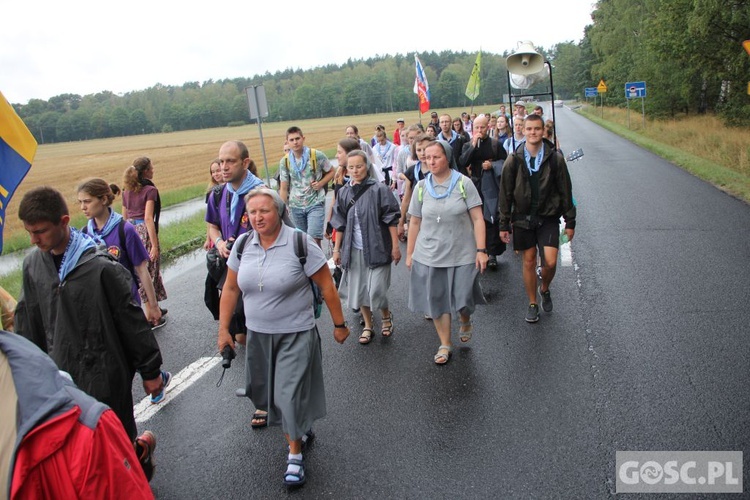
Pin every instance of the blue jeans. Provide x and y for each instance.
(310, 219)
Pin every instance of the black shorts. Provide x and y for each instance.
(545, 234)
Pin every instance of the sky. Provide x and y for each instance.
(83, 47)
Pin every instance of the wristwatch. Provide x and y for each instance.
(343, 325)
(482, 250)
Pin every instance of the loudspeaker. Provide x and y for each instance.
(526, 66)
(525, 60)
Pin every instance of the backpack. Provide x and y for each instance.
(300, 249)
(121, 234)
(123, 247)
(313, 164)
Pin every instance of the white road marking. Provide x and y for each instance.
(181, 381)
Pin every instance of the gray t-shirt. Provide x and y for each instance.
(446, 234)
(284, 305)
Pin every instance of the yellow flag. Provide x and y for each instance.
(472, 88)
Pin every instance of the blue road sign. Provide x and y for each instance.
(634, 90)
(591, 92)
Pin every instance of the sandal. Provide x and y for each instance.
(260, 419)
(387, 331)
(366, 336)
(465, 335)
(295, 478)
(442, 358)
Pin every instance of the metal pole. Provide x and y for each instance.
(552, 94)
(628, 103)
(512, 114)
(263, 152)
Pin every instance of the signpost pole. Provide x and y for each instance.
(627, 101)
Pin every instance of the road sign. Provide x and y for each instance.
(635, 89)
(602, 87)
(591, 91)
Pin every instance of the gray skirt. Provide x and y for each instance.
(284, 376)
(362, 286)
(444, 290)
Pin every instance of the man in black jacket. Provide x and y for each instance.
(76, 305)
(535, 185)
(482, 160)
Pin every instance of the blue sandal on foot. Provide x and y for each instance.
(292, 478)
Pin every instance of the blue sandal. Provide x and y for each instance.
(295, 479)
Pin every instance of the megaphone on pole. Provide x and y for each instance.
(526, 66)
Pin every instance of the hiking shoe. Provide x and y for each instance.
(162, 322)
(532, 315)
(145, 444)
(546, 300)
(167, 378)
(492, 263)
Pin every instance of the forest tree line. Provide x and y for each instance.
(688, 51)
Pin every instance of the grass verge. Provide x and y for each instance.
(732, 181)
(176, 240)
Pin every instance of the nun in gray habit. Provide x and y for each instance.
(284, 368)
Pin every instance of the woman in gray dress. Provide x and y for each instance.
(284, 367)
(445, 248)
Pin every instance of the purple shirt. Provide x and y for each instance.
(135, 203)
(135, 253)
(220, 217)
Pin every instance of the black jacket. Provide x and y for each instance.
(555, 189)
(90, 327)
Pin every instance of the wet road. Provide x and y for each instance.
(646, 350)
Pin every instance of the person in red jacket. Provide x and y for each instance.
(55, 440)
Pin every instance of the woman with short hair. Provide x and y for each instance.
(283, 358)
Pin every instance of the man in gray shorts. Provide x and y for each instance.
(535, 185)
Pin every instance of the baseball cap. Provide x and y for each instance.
(520, 103)
(400, 120)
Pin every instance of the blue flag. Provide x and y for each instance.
(17, 150)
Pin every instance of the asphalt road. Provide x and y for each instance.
(646, 350)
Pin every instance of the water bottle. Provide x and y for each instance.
(563, 238)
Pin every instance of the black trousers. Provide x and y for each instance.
(495, 246)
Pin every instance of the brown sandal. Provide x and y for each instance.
(366, 336)
(387, 331)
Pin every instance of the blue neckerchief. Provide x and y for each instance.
(431, 188)
(250, 182)
(112, 222)
(537, 162)
(383, 154)
(450, 141)
(77, 244)
(303, 163)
